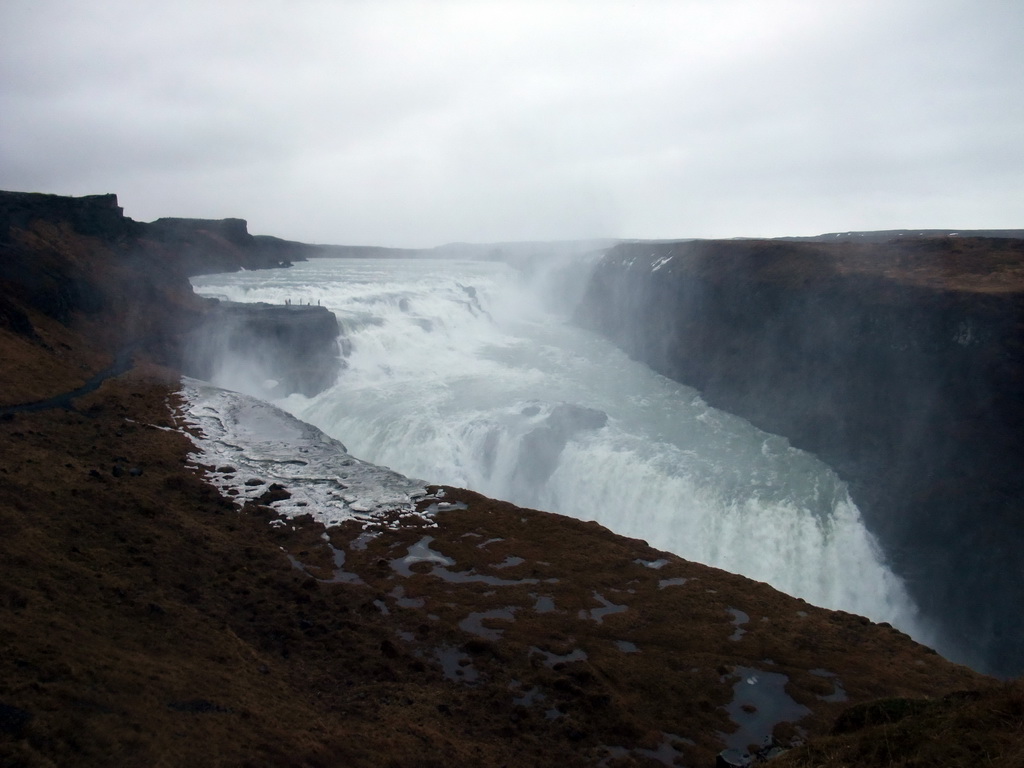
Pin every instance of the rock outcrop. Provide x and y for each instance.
(81, 262)
(93, 215)
(267, 350)
(211, 246)
(900, 363)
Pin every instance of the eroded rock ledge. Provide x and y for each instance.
(900, 363)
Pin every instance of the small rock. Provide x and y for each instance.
(274, 493)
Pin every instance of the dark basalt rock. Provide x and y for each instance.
(284, 349)
(900, 363)
(275, 492)
(93, 215)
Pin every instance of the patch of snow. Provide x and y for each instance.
(264, 443)
(655, 564)
(661, 263)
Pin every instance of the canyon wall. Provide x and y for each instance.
(125, 284)
(900, 363)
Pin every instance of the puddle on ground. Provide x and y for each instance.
(598, 614)
(739, 618)
(655, 564)
(360, 542)
(420, 552)
(509, 562)
(398, 593)
(676, 582)
(341, 576)
(528, 698)
(544, 604)
(551, 659)
(759, 703)
(666, 753)
(626, 647)
(456, 665)
(474, 622)
(472, 577)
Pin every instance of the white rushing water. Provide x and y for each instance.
(463, 373)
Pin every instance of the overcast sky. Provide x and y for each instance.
(419, 123)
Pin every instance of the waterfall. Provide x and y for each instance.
(468, 373)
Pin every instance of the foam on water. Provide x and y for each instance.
(458, 375)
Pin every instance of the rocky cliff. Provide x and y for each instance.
(265, 349)
(900, 363)
(93, 215)
(82, 263)
(210, 246)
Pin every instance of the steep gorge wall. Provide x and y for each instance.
(901, 364)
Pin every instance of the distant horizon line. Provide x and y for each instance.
(999, 232)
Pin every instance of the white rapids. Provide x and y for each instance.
(468, 373)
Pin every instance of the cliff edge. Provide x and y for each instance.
(80, 263)
(900, 363)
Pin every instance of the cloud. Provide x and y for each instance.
(414, 123)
